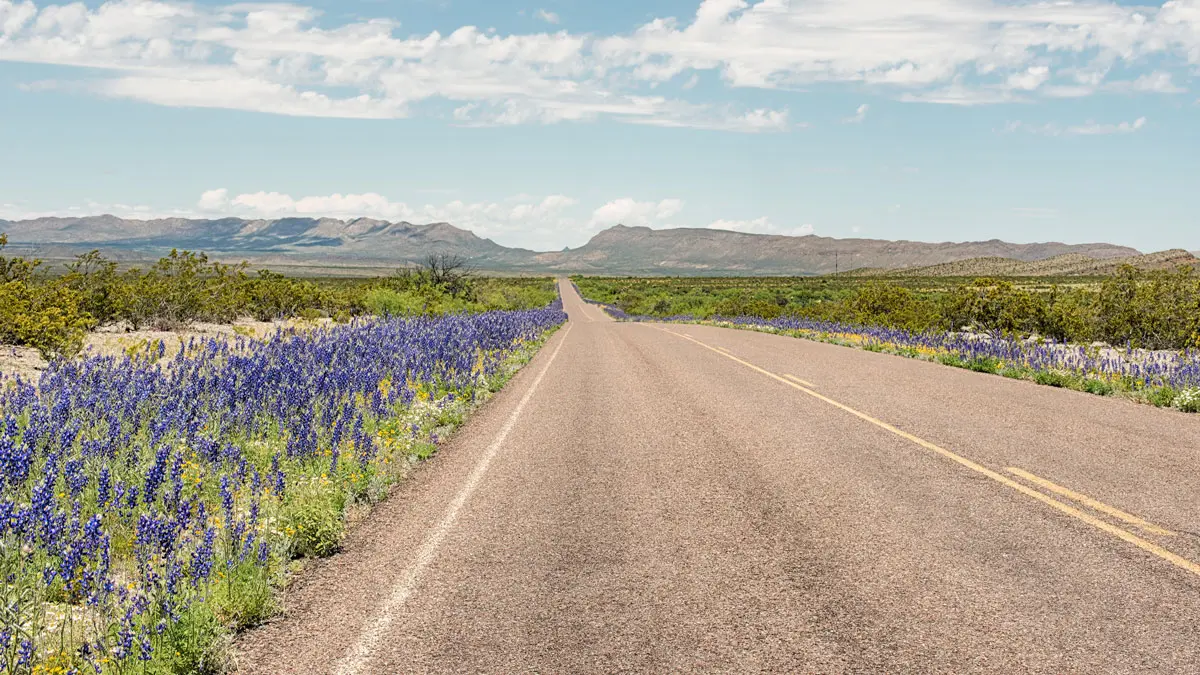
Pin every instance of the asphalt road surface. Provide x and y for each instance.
(665, 498)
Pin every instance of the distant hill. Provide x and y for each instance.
(298, 241)
(366, 243)
(1071, 264)
(641, 250)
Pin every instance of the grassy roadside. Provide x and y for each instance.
(408, 439)
(153, 506)
(1183, 399)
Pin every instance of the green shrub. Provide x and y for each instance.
(1159, 309)
(1163, 397)
(1014, 373)
(984, 364)
(1099, 387)
(196, 643)
(890, 305)
(744, 304)
(951, 360)
(313, 518)
(1188, 400)
(243, 597)
(103, 294)
(1054, 379)
(994, 304)
(45, 317)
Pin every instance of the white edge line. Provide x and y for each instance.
(356, 658)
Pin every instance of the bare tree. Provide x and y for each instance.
(449, 272)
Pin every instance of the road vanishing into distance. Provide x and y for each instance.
(665, 498)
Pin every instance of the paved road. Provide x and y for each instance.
(649, 498)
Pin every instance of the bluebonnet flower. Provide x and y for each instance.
(150, 435)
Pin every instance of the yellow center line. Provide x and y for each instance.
(797, 380)
(1091, 503)
(1148, 546)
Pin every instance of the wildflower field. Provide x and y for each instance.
(151, 504)
(1165, 377)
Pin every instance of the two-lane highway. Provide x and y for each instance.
(678, 498)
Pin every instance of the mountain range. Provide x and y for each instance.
(369, 243)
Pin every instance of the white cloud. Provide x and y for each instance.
(627, 211)
(698, 117)
(277, 58)
(1030, 79)
(1089, 128)
(247, 94)
(859, 115)
(213, 200)
(290, 59)
(915, 45)
(761, 226)
(1157, 82)
(547, 16)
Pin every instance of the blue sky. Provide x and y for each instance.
(539, 124)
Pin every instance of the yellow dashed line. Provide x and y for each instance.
(1148, 546)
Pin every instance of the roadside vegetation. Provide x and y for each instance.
(1134, 333)
(150, 505)
(152, 502)
(53, 309)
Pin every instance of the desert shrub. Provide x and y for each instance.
(993, 304)
(45, 317)
(184, 287)
(272, 296)
(15, 269)
(103, 294)
(1069, 316)
(1159, 309)
(741, 303)
(890, 305)
(388, 302)
(53, 322)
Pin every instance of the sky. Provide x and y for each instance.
(539, 123)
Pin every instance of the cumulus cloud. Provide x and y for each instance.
(290, 59)
(213, 200)
(627, 211)
(761, 226)
(547, 16)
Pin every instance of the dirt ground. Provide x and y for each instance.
(26, 363)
